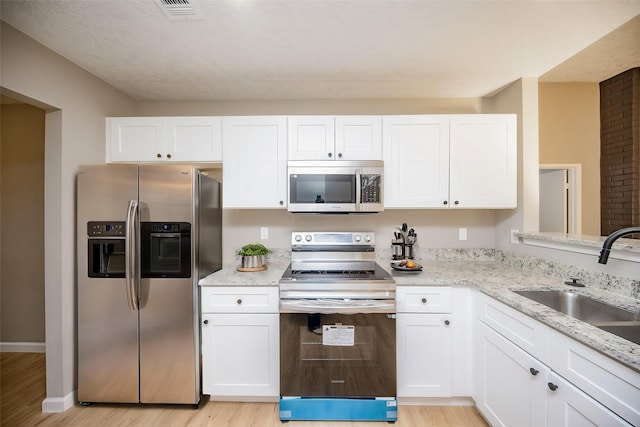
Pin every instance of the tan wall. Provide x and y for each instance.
(570, 133)
(77, 104)
(22, 224)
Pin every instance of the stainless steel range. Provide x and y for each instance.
(337, 330)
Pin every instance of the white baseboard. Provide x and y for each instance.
(436, 401)
(23, 347)
(58, 404)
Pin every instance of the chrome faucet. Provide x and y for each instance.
(606, 247)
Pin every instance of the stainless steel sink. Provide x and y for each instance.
(617, 321)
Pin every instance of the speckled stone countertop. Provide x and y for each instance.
(498, 280)
(595, 242)
(494, 278)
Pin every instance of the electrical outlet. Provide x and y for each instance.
(264, 233)
(514, 238)
(462, 234)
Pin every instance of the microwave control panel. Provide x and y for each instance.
(371, 186)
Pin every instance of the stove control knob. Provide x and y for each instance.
(298, 238)
(308, 237)
(367, 238)
(356, 238)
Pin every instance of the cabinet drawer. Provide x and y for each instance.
(607, 381)
(527, 333)
(220, 299)
(423, 299)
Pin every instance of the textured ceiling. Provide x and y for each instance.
(297, 49)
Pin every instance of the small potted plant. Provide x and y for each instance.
(253, 257)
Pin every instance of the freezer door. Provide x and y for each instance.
(107, 327)
(169, 337)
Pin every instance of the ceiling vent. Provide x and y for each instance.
(180, 10)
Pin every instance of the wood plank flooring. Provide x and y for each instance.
(22, 391)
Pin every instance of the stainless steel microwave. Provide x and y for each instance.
(335, 186)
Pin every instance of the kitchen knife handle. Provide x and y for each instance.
(130, 266)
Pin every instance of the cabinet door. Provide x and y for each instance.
(358, 138)
(612, 384)
(135, 139)
(416, 161)
(424, 355)
(255, 165)
(568, 406)
(311, 138)
(193, 139)
(240, 355)
(511, 385)
(483, 161)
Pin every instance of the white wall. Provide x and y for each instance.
(435, 228)
(77, 103)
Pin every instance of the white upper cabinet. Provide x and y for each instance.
(483, 161)
(311, 137)
(255, 162)
(335, 138)
(416, 161)
(189, 139)
(162, 139)
(359, 137)
(450, 161)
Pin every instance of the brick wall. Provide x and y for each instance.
(620, 152)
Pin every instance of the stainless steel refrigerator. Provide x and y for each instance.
(146, 235)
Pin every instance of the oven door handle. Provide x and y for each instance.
(338, 306)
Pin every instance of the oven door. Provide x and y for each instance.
(338, 355)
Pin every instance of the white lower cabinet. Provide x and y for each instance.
(240, 350)
(430, 319)
(565, 384)
(510, 384)
(568, 406)
(424, 355)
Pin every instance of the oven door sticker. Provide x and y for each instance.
(343, 335)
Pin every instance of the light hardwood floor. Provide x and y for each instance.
(23, 390)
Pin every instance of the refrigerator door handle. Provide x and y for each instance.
(131, 269)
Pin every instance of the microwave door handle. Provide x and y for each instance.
(358, 189)
(130, 264)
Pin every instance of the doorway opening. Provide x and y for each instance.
(561, 198)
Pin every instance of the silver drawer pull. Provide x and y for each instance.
(424, 300)
(239, 301)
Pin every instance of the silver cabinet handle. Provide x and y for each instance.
(168, 156)
(424, 300)
(239, 301)
(130, 263)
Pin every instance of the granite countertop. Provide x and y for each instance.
(493, 278)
